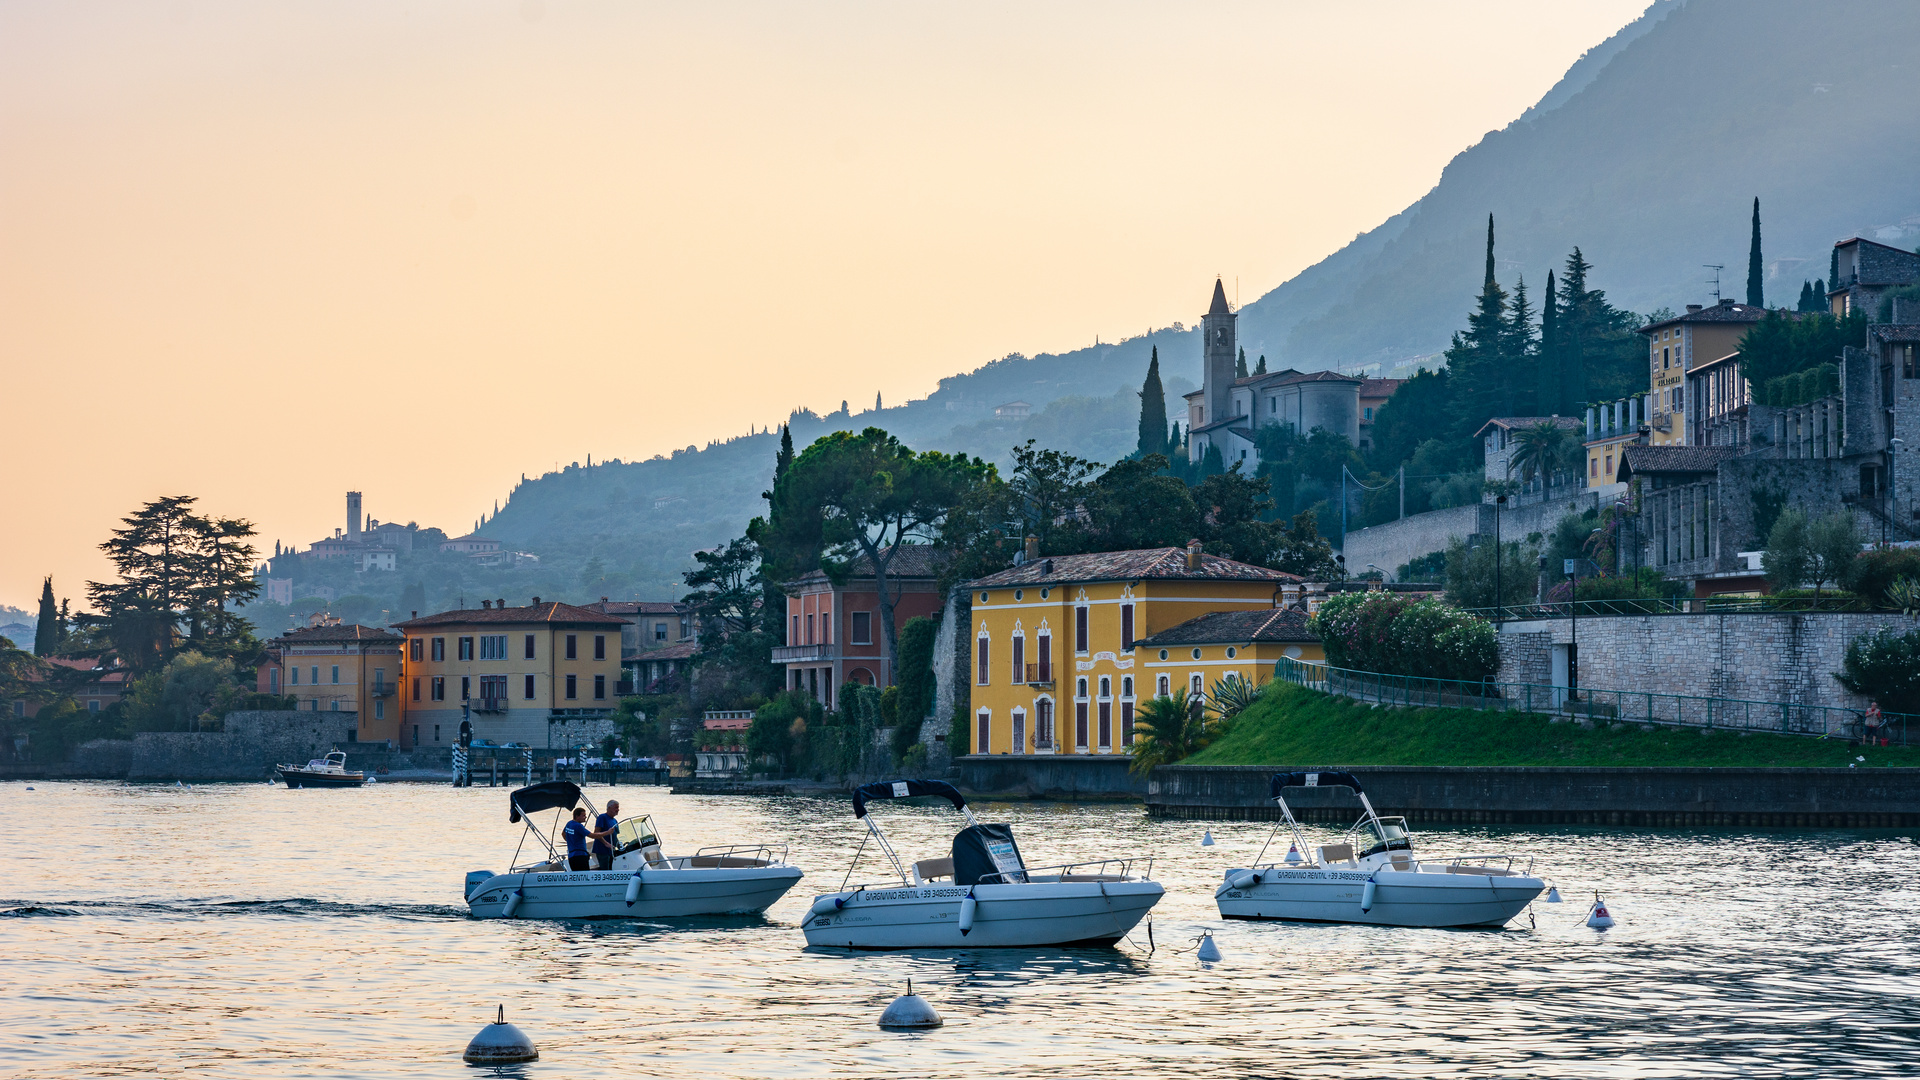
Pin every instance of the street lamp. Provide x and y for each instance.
(1384, 576)
(1573, 637)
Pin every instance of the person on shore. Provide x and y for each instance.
(1872, 723)
(577, 834)
(604, 827)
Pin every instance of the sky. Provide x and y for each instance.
(267, 253)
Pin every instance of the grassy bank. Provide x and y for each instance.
(1292, 726)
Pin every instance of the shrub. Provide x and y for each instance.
(1874, 572)
(1390, 634)
(1885, 666)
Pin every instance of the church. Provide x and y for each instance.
(1226, 410)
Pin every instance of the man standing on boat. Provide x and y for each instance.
(604, 827)
(577, 834)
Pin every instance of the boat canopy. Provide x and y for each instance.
(984, 850)
(553, 794)
(1312, 779)
(899, 789)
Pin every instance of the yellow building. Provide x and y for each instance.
(1242, 645)
(1680, 344)
(352, 670)
(545, 675)
(1057, 667)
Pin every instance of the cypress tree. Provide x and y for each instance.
(1755, 297)
(1173, 438)
(1546, 391)
(1474, 358)
(1574, 329)
(1261, 367)
(1212, 463)
(876, 401)
(785, 457)
(1153, 410)
(1806, 297)
(1833, 269)
(1240, 365)
(49, 629)
(1489, 278)
(1819, 295)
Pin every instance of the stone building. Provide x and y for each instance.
(1500, 445)
(1865, 271)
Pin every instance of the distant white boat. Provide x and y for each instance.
(981, 897)
(1373, 876)
(329, 771)
(645, 882)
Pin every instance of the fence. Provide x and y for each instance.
(1684, 605)
(1629, 706)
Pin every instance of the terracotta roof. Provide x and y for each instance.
(1513, 422)
(1290, 376)
(1379, 387)
(1659, 459)
(914, 561)
(550, 612)
(1232, 627)
(638, 607)
(1145, 563)
(679, 650)
(1722, 312)
(1219, 306)
(350, 632)
(1885, 332)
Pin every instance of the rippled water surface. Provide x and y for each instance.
(252, 931)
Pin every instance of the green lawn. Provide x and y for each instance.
(1293, 726)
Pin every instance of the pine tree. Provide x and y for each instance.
(1574, 329)
(1261, 367)
(1153, 410)
(1755, 297)
(1546, 391)
(48, 631)
(1240, 365)
(785, 457)
(1519, 354)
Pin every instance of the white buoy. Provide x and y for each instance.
(1597, 916)
(1208, 951)
(1553, 895)
(1366, 896)
(910, 1012)
(968, 906)
(1293, 855)
(826, 905)
(513, 903)
(633, 888)
(500, 1043)
(1207, 840)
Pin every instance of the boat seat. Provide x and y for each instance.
(1400, 862)
(1333, 853)
(933, 869)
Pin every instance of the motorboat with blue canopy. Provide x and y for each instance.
(644, 882)
(1371, 874)
(981, 894)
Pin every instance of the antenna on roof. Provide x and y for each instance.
(1716, 268)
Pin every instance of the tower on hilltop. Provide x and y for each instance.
(1217, 329)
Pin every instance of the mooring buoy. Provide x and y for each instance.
(1553, 895)
(910, 1012)
(1207, 951)
(1207, 839)
(500, 1043)
(1597, 915)
(1293, 855)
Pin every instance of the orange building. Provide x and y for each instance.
(834, 633)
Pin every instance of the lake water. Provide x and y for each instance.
(252, 931)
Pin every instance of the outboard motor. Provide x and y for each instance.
(477, 878)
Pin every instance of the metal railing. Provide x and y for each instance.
(1683, 605)
(490, 704)
(1102, 870)
(382, 689)
(1039, 675)
(1627, 706)
(739, 855)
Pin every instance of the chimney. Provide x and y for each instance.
(1046, 567)
(501, 603)
(1033, 549)
(1691, 308)
(486, 605)
(603, 599)
(536, 601)
(416, 615)
(1193, 554)
(353, 515)
(1726, 301)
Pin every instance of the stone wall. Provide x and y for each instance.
(1758, 656)
(247, 749)
(952, 655)
(1398, 542)
(1051, 776)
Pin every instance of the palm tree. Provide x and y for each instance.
(1168, 729)
(1546, 449)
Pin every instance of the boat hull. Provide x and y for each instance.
(1401, 898)
(299, 778)
(1005, 916)
(664, 893)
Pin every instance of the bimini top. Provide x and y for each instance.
(899, 789)
(554, 794)
(1312, 779)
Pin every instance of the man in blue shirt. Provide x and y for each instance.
(604, 827)
(576, 834)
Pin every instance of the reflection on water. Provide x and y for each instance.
(251, 931)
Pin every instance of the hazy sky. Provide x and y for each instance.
(267, 252)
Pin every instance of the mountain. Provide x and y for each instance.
(1647, 155)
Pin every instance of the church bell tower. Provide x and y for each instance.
(1217, 330)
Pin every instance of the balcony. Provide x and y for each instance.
(488, 704)
(804, 654)
(382, 689)
(1040, 676)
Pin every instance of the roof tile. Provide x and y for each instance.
(1232, 627)
(1145, 563)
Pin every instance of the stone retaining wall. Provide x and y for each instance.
(1049, 776)
(247, 749)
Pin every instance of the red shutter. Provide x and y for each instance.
(1079, 630)
(1079, 723)
(1046, 657)
(1019, 660)
(1126, 723)
(1106, 723)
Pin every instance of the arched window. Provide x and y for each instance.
(1019, 655)
(982, 727)
(1163, 687)
(1043, 724)
(981, 657)
(1106, 686)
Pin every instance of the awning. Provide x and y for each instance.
(1311, 779)
(553, 794)
(905, 789)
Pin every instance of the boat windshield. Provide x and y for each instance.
(636, 832)
(1372, 836)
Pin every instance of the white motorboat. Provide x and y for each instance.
(329, 771)
(1373, 876)
(645, 882)
(982, 896)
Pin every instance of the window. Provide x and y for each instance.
(794, 637)
(333, 706)
(1126, 686)
(862, 631)
(659, 631)
(1080, 688)
(1080, 629)
(983, 598)
(526, 690)
(573, 649)
(810, 628)
(436, 732)
(93, 706)
(1163, 686)
(273, 680)
(1163, 654)
(439, 650)
(1106, 724)
(1198, 689)
(982, 726)
(599, 688)
(439, 694)
(1043, 724)
(416, 734)
(1908, 368)
(980, 656)
(1106, 686)
(1232, 652)
(493, 690)
(599, 646)
(313, 674)
(1609, 464)
(1080, 725)
(826, 625)
(466, 648)
(1196, 654)
(493, 647)
(1126, 723)
(1593, 468)
(1019, 658)
(415, 649)
(466, 687)
(527, 646)
(1369, 412)
(293, 675)
(1666, 358)
(1046, 656)
(1019, 595)
(416, 689)
(1126, 627)
(572, 687)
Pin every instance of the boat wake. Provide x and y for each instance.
(296, 907)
